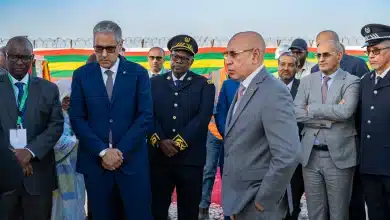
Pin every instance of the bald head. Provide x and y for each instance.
(327, 35)
(249, 38)
(19, 41)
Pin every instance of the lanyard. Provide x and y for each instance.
(20, 104)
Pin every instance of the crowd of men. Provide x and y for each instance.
(318, 129)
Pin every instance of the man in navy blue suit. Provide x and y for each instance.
(111, 113)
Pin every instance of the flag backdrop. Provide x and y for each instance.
(62, 62)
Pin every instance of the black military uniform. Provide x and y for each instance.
(374, 112)
(182, 113)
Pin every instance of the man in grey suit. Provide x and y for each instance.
(30, 104)
(325, 104)
(261, 136)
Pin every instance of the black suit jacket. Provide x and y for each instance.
(44, 123)
(10, 171)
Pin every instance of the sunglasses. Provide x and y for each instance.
(24, 58)
(375, 51)
(158, 58)
(324, 55)
(109, 49)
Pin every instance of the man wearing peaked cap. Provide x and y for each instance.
(374, 112)
(177, 142)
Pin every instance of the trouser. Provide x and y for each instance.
(328, 188)
(213, 148)
(297, 190)
(188, 183)
(377, 192)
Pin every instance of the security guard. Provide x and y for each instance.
(374, 110)
(183, 105)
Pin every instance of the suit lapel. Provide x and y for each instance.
(119, 82)
(294, 88)
(34, 92)
(383, 82)
(9, 102)
(249, 92)
(338, 82)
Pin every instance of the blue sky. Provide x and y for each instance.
(165, 18)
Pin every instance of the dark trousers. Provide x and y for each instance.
(377, 192)
(20, 205)
(357, 207)
(188, 182)
(297, 190)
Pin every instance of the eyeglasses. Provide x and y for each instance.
(234, 54)
(109, 49)
(324, 55)
(24, 58)
(158, 58)
(375, 51)
(176, 57)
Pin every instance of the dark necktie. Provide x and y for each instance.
(109, 83)
(324, 88)
(178, 83)
(20, 86)
(109, 88)
(378, 79)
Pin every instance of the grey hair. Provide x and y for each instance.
(108, 27)
(337, 45)
(335, 35)
(289, 54)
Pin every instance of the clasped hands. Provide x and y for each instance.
(24, 157)
(169, 147)
(112, 159)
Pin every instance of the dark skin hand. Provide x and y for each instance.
(24, 156)
(168, 147)
(28, 170)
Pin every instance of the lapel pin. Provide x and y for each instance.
(124, 72)
(168, 78)
(372, 75)
(189, 78)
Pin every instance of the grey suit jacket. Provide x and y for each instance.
(336, 120)
(44, 125)
(261, 146)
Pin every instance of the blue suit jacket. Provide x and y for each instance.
(129, 116)
(353, 65)
(225, 99)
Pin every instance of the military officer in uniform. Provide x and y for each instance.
(374, 110)
(183, 105)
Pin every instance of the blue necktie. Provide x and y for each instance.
(20, 87)
(178, 83)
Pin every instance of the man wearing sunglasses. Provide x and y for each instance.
(183, 105)
(110, 113)
(326, 103)
(156, 61)
(374, 112)
(31, 123)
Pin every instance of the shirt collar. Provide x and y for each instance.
(383, 74)
(114, 68)
(249, 79)
(289, 86)
(161, 71)
(24, 80)
(331, 75)
(181, 78)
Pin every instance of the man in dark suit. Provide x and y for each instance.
(31, 108)
(2, 57)
(111, 123)
(287, 68)
(183, 106)
(374, 115)
(358, 67)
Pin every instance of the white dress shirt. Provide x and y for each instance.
(289, 86)
(114, 69)
(246, 83)
(381, 75)
(181, 78)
